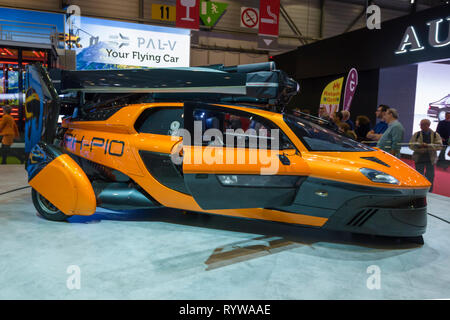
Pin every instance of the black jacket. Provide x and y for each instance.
(443, 128)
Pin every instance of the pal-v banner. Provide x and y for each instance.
(107, 44)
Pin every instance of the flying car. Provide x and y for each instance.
(211, 140)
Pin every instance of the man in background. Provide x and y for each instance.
(381, 126)
(425, 144)
(338, 118)
(346, 119)
(443, 128)
(393, 136)
(323, 112)
(9, 131)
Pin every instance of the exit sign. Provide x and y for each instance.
(164, 12)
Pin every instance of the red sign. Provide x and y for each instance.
(249, 18)
(188, 14)
(269, 17)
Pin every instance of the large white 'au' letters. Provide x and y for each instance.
(433, 34)
(411, 41)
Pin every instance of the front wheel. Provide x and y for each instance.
(46, 208)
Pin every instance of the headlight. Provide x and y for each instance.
(378, 176)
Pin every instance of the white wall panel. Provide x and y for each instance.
(245, 58)
(32, 4)
(306, 16)
(199, 57)
(207, 57)
(109, 8)
(338, 16)
(216, 57)
(231, 58)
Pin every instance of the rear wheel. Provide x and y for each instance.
(46, 208)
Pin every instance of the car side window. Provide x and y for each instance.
(164, 121)
(238, 129)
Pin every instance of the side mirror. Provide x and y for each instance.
(290, 150)
(284, 159)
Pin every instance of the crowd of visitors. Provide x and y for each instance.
(388, 134)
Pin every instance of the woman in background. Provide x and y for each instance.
(9, 131)
(347, 131)
(362, 127)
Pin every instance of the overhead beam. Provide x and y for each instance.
(352, 24)
(322, 18)
(292, 25)
(363, 13)
(383, 6)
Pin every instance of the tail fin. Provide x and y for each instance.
(42, 107)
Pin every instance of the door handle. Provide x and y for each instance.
(284, 160)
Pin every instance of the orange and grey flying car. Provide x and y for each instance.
(160, 138)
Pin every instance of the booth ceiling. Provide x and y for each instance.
(315, 19)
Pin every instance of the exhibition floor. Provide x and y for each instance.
(441, 179)
(164, 254)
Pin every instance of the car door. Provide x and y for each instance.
(157, 138)
(237, 159)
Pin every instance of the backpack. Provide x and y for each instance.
(418, 133)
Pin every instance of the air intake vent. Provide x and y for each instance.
(361, 217)
(373, 159)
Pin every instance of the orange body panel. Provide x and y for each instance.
(273, 215)
(344, 167)
(103, 148)
(338, 166)
(253, 161)
(66, 186)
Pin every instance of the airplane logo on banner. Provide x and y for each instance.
(124, 41)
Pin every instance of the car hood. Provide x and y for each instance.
(345, 167)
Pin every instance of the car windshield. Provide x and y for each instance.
(318, 138)
(445, 100)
